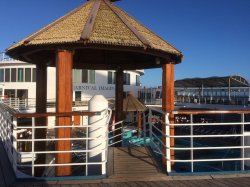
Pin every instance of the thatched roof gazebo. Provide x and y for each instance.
(96, 35)
(131, 104)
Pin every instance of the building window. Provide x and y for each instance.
(27, 75)
(78, 96)
(88, 76)
(126, 78)
(7, 75)
(33, 74)
(91, 76)
(138, 82)
(13, 74)
(20, 75)
(1, 75)
(9, 93)
(111, 77)
(77, 73)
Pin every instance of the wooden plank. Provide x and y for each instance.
(91, 20)
(63, 104)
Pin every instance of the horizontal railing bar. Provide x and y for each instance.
(66, 164)
(115, 136)
(211, 112)
(115, 143)
(64, 114)
(72, 151)
(207, 136)
(205, 148)
(211, 160)
(58, 139)
(56, 127)
(207, 124)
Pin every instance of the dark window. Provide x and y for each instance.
(126, 79)
(20, 75)
(7, 75)
(34, 75)
(84, 76)
(13, 74)
(78, 96)
(9, 93)
(138, 80)
(1, 75)
(110, 77)
(27, 75)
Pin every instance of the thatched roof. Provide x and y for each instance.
(131, 104)
(96, 23)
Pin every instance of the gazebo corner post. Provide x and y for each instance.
(168, 106)
(41, 107)
(118, 106)
(64, 64)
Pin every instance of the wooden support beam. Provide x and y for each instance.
(64, 64)
(41, 107)
(168, 102)
(118, 104)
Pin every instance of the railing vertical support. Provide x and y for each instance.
(243, 141)
(86, 148)
(33, 145)
(144, 129)
(14, 151)
(168, 146)
(191, 143)
(150, 116)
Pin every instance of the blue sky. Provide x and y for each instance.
(213, 35)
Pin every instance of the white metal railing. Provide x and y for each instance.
(19, 142)
(30, 103)
(193, 133)
(4, 57)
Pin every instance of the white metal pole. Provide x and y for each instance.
(191, 143)
(144, 129)
(167, 140)
(33, 145)
(14, 152)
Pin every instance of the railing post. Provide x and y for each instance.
(14, 151)
(144, 129)
(191, 143)
(167, 137)
(243, 141)
(150, 126)
(33, 145)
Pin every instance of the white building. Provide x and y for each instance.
(18, 80)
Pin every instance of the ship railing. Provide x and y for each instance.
(4, 57)
(18, 135)
(211, 140)
(30, 103)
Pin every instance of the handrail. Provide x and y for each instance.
(210, 112)
(64, 114)
(194, 136)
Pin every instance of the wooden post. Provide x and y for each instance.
(64, 64)
(168, 102)
(41, 107)
(118, 104)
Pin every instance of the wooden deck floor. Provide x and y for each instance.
(135, 167)
(134, 163)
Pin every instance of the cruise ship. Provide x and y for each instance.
(18, 83)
